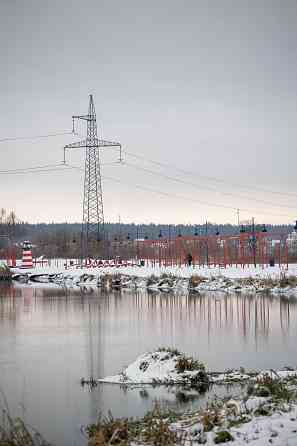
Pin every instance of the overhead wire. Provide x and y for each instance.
(22, 172)
(166, 165)
(230, 194)
(43, 168)
(17, 138)
(7, 171)
(171, 195)
(66, 166)
(63, 166)
(208, 178)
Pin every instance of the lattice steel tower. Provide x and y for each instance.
(93, 216)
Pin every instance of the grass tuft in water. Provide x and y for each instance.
(14, 432)
(152, 429)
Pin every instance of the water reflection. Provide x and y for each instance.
(50, 337)
(254, 319)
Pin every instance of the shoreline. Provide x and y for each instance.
(265, 413)
(233, 280)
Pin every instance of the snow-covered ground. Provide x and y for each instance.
(232, 272)
(278, 429)
(255, 420)
(230, 279)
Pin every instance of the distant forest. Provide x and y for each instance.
(63, 239)
(43, 231)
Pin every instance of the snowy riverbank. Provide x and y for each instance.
(274, 280)
(264, 413)
(219, 424)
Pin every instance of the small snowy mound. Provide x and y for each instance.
(164, 366)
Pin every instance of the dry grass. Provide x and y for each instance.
(157, 433)
(108, 431)
(211, 416)
(282, 281)
(285, 281)
(171, 350)
(185, 363)
(153, 430)
(5, 273)
(275, 388)
(195, 280)
(14, 432)
(106, 280)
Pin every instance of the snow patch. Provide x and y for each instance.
(159, 367)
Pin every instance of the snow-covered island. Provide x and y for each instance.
(163, 366)
(168, 366)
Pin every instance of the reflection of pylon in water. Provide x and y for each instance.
(90, 381)
(94, 354)
(91, 339)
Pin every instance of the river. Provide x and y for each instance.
(50, 337)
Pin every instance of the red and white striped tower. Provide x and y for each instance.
(27, 261)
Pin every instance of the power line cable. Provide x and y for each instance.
(253, 211)
(171, 195)
(17, 138)
(43, 168)
(166, 165)
(65, 166)
(209, 178)
(230, 194)
(22, 172)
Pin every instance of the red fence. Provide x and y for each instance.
(244, 249)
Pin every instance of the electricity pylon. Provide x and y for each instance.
(93, 216)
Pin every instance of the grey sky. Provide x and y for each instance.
(208, 86)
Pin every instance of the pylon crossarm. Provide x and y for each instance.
(95, 142)
(76, 145)
(103, 143)
(84, 117)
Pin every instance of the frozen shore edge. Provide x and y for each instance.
(229, 280)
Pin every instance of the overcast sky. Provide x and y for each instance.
(205, 86)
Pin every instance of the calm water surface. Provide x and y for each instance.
(51, 337)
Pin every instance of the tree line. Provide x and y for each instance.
(63, 239)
